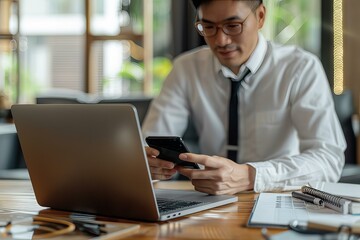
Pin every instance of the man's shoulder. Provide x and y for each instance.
(290, 52)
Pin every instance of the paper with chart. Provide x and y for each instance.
(279, 209)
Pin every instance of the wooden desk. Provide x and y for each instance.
(227, 222)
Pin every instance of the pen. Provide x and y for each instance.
(308, 198)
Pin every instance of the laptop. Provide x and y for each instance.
(89, 158)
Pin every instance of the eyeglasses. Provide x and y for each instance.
(231, 28)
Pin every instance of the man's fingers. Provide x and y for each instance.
(211, 187)
(155, 162)
(151, 152)
(195, 173)
(207, 161)
(162, 171)
(210, 190)
(160, 177)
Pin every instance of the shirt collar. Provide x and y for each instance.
(253, 63)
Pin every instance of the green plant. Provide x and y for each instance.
(9, 75)
(133, 72)
(161, 68)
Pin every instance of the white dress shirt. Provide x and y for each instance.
(288, 132)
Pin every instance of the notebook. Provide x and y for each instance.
(278, 210)
(90, 158)
(332, 201)
(345, 190)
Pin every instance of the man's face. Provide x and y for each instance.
(232, 51)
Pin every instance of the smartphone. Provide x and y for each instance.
(170, 148)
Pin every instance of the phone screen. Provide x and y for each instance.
(170, 149)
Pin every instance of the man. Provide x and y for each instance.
(287, 132)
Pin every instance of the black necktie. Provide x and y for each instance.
(233, 130)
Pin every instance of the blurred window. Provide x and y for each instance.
(296, 22)
(53, 40)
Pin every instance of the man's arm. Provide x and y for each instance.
(169, 111)
(321, 140)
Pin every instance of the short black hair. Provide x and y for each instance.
(197, 3)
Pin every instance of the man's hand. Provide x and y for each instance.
(160, 169)
(220, 176)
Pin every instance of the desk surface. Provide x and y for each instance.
(226, 222)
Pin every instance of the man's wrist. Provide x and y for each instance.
(251, 173)
(246, 177)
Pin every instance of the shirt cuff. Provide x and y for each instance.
(265, 177)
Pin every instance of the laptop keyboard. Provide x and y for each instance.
(166, 205)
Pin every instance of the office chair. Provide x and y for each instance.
(141, 103)
(12, 164)
(344, 108)
(345, 111)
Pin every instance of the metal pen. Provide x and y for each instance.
(308, 198)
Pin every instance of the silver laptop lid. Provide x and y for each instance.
(83, 157)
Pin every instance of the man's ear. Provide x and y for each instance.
(261, 14)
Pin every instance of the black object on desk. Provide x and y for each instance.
(308, 198)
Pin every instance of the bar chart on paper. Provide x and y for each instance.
(278, 210)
